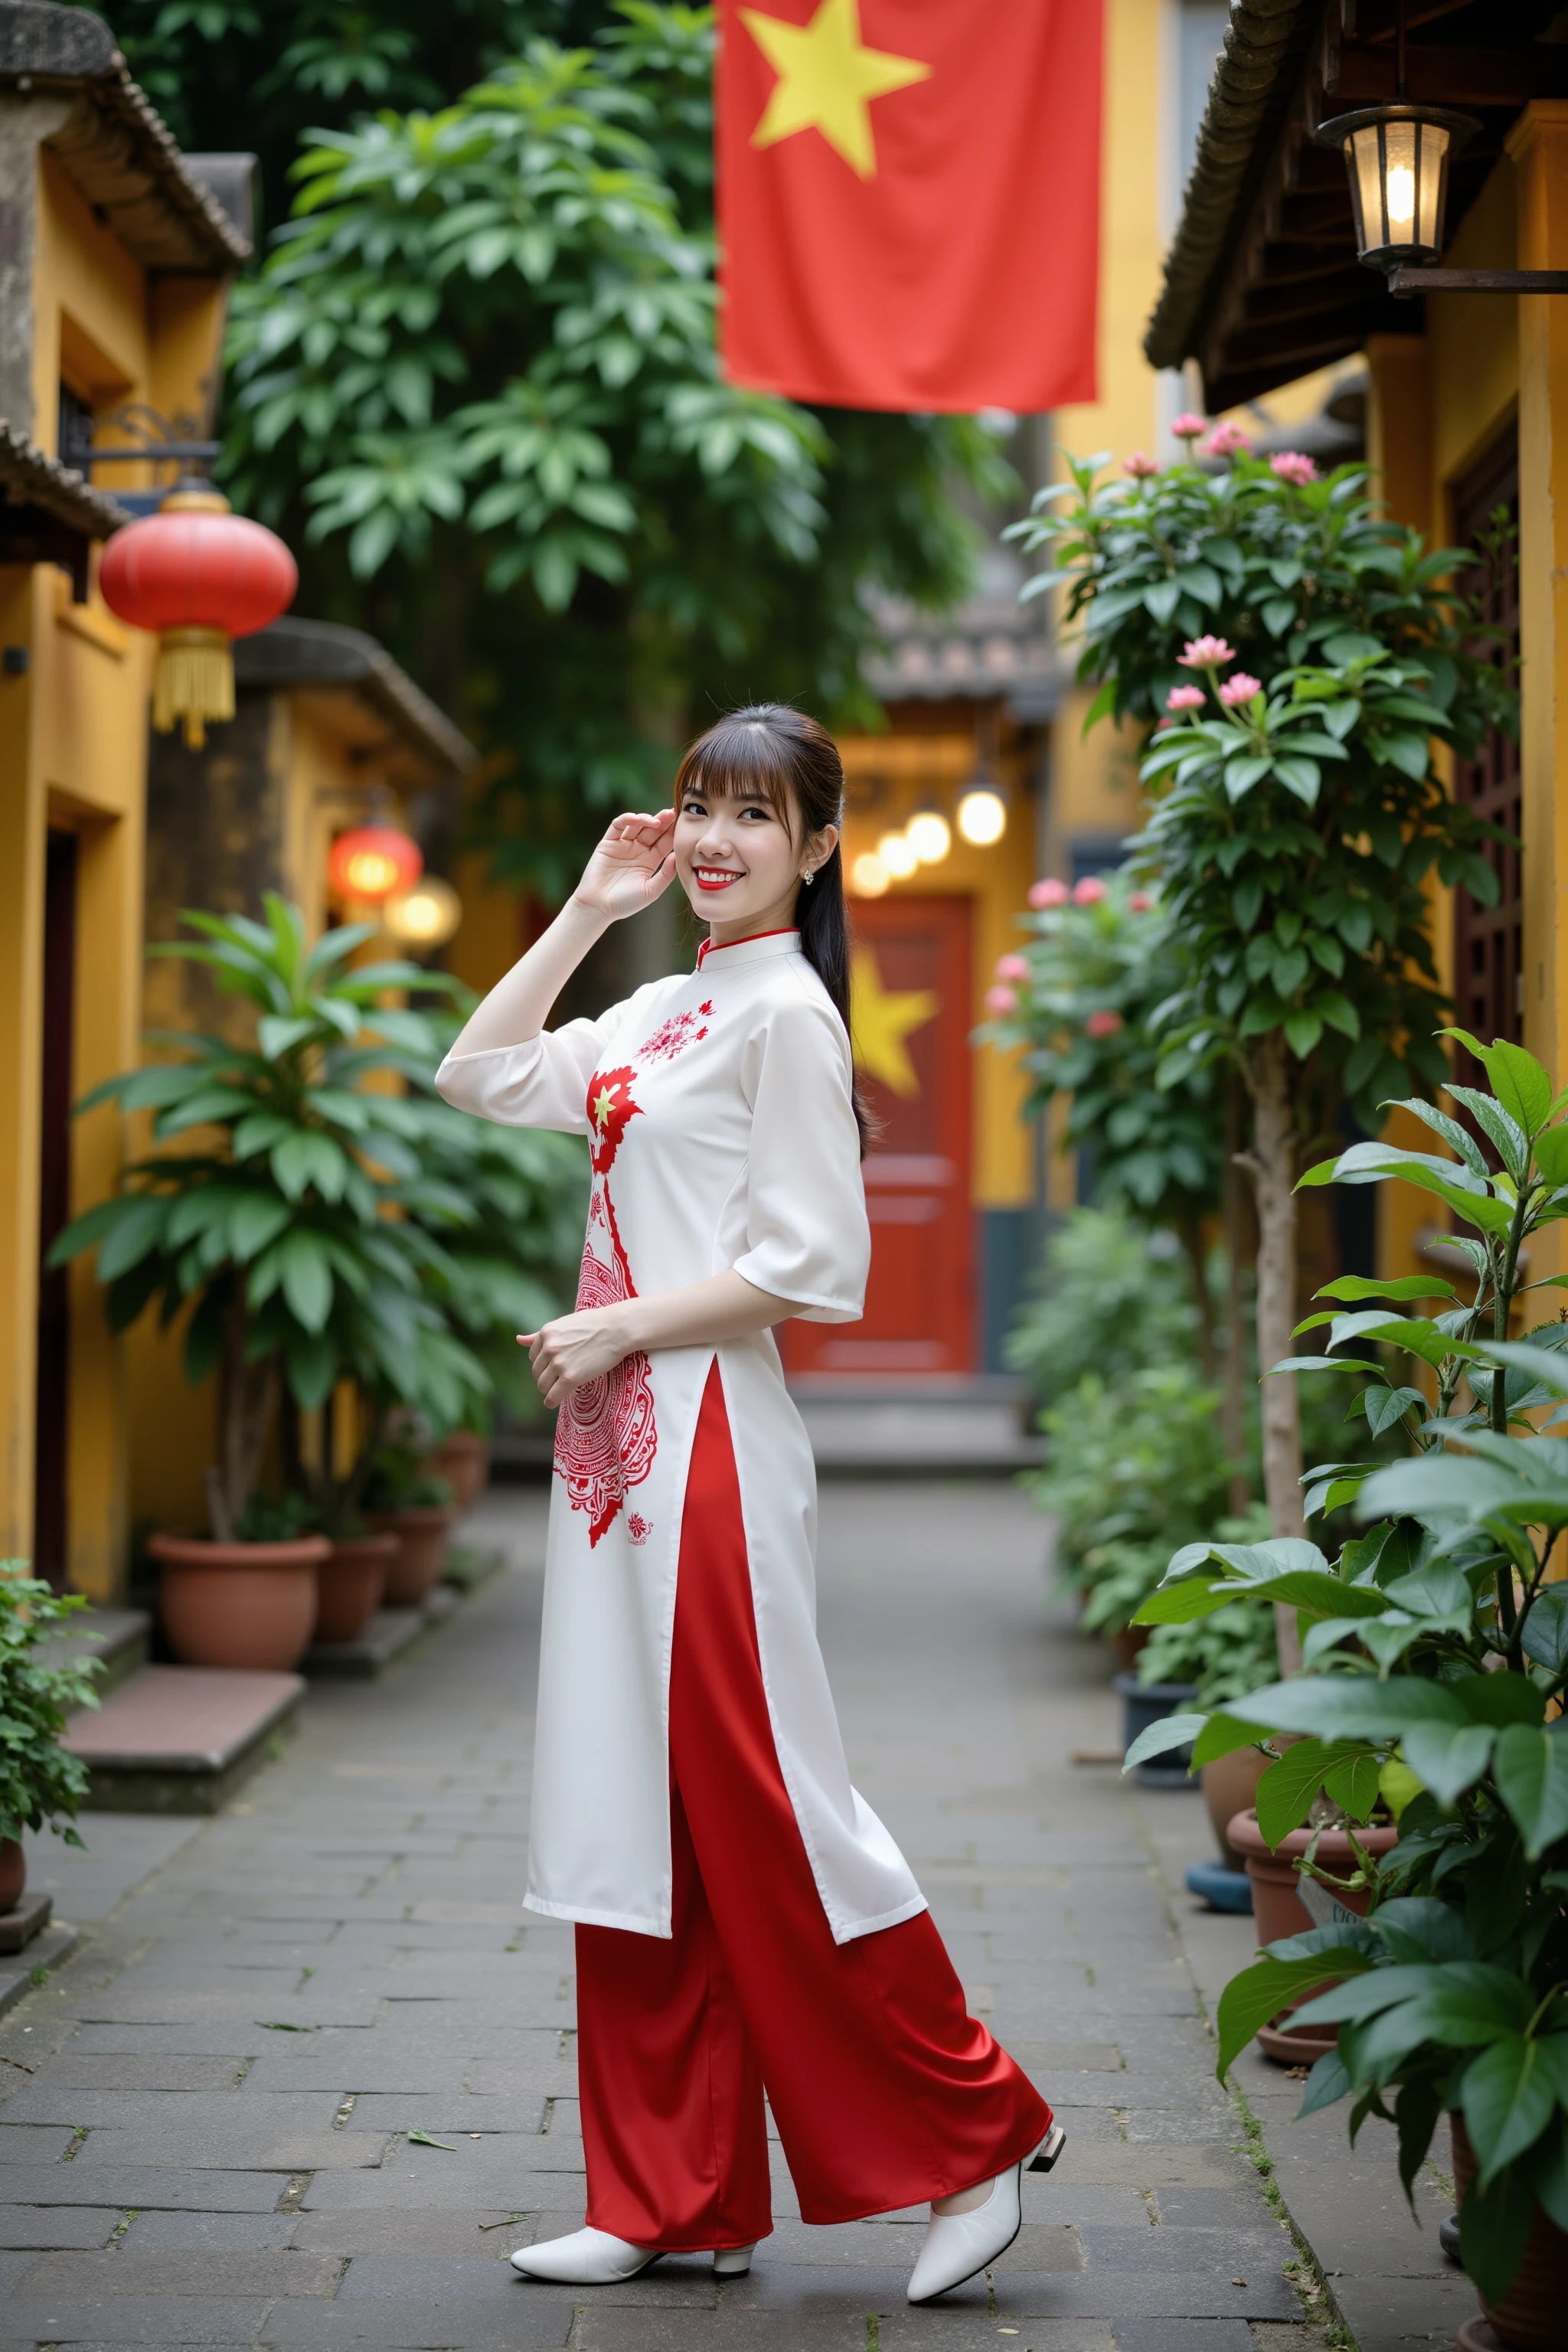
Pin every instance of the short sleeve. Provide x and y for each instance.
(807, 1238)
(544, 1082)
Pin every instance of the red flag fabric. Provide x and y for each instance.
(909, 200)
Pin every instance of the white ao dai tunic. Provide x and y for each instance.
(719, 1110)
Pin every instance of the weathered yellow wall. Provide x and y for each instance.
(73, 755)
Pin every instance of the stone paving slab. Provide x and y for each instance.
(365, 1888)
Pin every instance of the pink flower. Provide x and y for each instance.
(1104, 1024)
(1139, 465)
(1140, 902)
(1012, 966)
(1187, 427)
(1205, 653)
(1048, 894)
(1238, 690)
(1291, 465)
(1185, 698)
(1001, 1001)
(1225, 441)
(1089, 892)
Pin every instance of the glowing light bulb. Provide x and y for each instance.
(868, 876)
(930, 835)
(425, 917)
(896, 855)
(983, 816)
(1401, 196)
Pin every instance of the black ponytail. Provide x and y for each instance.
(792, 760)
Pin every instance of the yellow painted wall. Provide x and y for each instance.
(73, 755)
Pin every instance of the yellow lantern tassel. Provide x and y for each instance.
(193, 682)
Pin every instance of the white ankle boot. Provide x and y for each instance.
(593, 2258)
(956, 2245)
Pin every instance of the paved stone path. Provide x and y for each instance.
(214, 2143)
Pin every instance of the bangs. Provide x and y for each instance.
(740, 760)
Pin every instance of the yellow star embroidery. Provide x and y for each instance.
(602, 1107)
(825, 75)
(879, 1021)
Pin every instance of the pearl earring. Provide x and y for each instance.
(809, 876)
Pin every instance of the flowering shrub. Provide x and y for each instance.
(1296, 817)
(1082, 994)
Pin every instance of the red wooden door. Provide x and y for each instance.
(912, 1018)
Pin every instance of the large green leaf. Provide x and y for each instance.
(1262, 1990)
(306, 1277)
(138, 1229)
(1518, 1079)
(1286, 1791)
(1510, 2097)
(1160, 1739)
(1532, 1769)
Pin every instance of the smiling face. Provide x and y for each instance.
(741, 859)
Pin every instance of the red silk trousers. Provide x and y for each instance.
(885, 2091)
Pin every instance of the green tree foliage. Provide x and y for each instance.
(1299, 656)
(475, 384)
(1436, 1649)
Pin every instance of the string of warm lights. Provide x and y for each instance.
(926, 840)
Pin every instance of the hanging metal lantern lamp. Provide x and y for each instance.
(373, 862)
(198, 576)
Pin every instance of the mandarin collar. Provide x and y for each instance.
(761, 948)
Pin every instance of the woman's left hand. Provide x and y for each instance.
(573, 1349)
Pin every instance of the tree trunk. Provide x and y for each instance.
(244, 1416)
(1190, 1225)
(1237, 1252)
(1272, 1165)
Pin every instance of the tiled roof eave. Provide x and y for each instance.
(1266, 44)
(29, 477)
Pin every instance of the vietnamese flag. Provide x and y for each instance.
(909, 201)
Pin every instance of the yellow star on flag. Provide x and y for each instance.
(879, 1021)
(825, 75)
(602, 1107)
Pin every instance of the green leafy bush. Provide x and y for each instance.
(286, 1208)
(1099, 964)
(1436, 1650)
(1127, 1465)
(1111, 1298)
(40, 1781)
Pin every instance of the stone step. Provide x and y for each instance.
(936, 1429)
(181, 1739)
(120, 1637)
(384, 1638)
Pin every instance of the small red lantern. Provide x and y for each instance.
(198, 575)
(373, 862)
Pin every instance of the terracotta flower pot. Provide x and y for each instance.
(1229, 1785)
(13, 1873)
(421, 1532)
(463, 1459)
(1534, 2315)
(238, 1604)
(1277, 1907)
(1129, 1641)
(351, 1581)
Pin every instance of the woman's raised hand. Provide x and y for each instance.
(633, 866)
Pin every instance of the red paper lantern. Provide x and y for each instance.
(199, 576)
(373, 862)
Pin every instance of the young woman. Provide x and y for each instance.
(744, 1923)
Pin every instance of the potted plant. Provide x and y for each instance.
(508, 1268)
(1436, 1665)
(405, 1501)
(1295, 654)
(41, 1780)
(273, 1213)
